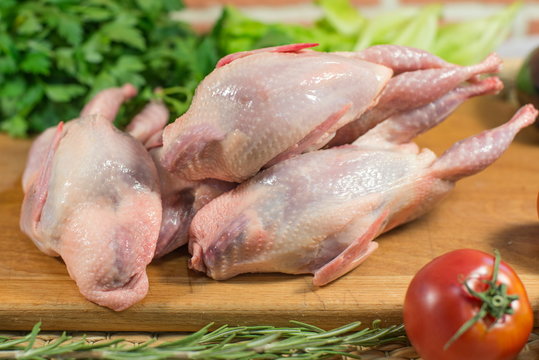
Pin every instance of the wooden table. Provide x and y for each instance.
(494, 209)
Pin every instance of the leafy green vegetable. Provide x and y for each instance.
(342, 16)
(56, 54)
(63, 92)
(343, 28)
(453, 42)
(236, 32)
(382, 28)
(420, 31)
(16, 126)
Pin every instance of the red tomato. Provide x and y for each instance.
(437, 304)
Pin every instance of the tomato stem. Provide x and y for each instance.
(495, 301)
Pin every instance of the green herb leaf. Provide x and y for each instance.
(15, 126)
(130, 63)
(33, 95)
(150, 6)
(28, 23)
(65, 60)
(92, 50)
(63, 92)
(102, 81)
(7, 65)
(13, 88)
(173, 5)
(249, 342)
(39, 46)
(7, 46)
(36, 63)
(6, 5)
(91, 13)
(123, 31)
(70, 29)
(128, 70)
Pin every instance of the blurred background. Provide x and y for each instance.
(56, 54)
(523, 37)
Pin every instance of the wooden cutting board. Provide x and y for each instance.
(494, 209)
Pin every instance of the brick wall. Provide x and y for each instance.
(201, 13)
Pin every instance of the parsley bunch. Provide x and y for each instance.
(56, 54)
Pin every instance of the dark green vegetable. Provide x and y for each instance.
(56, 54)
(235, 32)
(527, 83)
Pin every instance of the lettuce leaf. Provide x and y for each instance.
(382, 28)
(454, 43)
(343, 28)
(234, 32)
(421, 30)
(342, 16)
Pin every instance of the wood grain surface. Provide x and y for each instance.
(494, 209)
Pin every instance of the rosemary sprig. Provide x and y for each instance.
(300, 341)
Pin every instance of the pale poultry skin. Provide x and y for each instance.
(108, 202)
(106, 102)
(95, 201)
(319, 212)
(413, 89)
(180, 198)
(263, 106)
